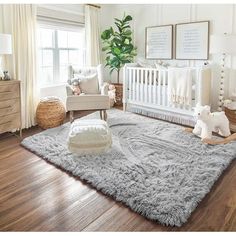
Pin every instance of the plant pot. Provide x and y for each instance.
(119, 93)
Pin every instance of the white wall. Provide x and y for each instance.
(222, 20)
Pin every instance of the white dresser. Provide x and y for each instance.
(10, 108)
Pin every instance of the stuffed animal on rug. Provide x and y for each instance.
(208, 122)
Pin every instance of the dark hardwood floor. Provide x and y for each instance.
(37, 196)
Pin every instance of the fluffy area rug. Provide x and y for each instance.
(154, 167)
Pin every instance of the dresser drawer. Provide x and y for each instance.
(9, 91)
(9, 122)
(9, 106)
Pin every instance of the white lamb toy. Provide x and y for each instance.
(208, 122)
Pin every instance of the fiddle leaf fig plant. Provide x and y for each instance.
(117, 44)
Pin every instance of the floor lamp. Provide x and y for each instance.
(225, 45)
(5, 48)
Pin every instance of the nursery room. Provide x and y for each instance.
(117, 117)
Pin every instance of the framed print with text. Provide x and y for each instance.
(192, 41)
(159, 42)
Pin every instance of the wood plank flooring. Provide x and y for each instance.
(37, 196)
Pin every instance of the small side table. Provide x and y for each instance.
(231, 115)
(119, 94)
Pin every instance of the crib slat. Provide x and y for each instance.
(155, 88)
(150, 87)
(159, 86)
(133, 84)
(129, 82)
(167, 82)
(146, 86)
(164, 88)
(138, 86)
(141, 86)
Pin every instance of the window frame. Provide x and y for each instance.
(56, 49)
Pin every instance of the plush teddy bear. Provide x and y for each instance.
(208, 122)
(75, 86)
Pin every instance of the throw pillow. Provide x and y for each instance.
(89, 84)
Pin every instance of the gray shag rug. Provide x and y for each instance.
(154, 167)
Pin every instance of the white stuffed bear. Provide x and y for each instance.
(208, 122)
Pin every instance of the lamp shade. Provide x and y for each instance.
(5, 44)
(223, 44)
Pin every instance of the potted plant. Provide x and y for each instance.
(117, 44)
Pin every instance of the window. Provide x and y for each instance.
(59, 47)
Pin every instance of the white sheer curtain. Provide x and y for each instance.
(92, 35)
(20, 21)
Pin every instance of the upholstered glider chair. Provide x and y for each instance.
(94, 93)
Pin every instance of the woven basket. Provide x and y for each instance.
(231, 115)
(50, 112)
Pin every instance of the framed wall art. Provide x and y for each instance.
(192, 41)
(159, 42)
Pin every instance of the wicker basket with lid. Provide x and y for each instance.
(50, 112)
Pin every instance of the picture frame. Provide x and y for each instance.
(159, 42)
(192, 40)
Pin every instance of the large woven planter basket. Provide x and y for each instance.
(50, 112)
(119, 94)
(231, 115)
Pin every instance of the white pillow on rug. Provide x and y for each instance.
(90, 136)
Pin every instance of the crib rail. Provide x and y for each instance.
(149, 87)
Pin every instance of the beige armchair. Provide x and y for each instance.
(94, 93)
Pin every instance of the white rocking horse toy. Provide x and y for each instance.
(208, 122)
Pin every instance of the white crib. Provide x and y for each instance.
(145, 91)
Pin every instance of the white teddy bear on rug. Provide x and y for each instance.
(208, 122)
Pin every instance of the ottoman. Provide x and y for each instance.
(90, 136)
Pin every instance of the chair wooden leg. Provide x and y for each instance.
(71, 116)
(101, 115)
(105, 115)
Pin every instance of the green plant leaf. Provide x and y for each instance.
(120, 21)
(125, 27)
(105, 48)
(117, 51)
(118, 26)
(127, 18)
(106, 34)
(117, 41)
(127, 32)
(126, 41)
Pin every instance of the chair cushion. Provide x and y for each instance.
(88, 84)
(90, 136)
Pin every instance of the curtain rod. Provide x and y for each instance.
(58, 20)
(93, 5)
